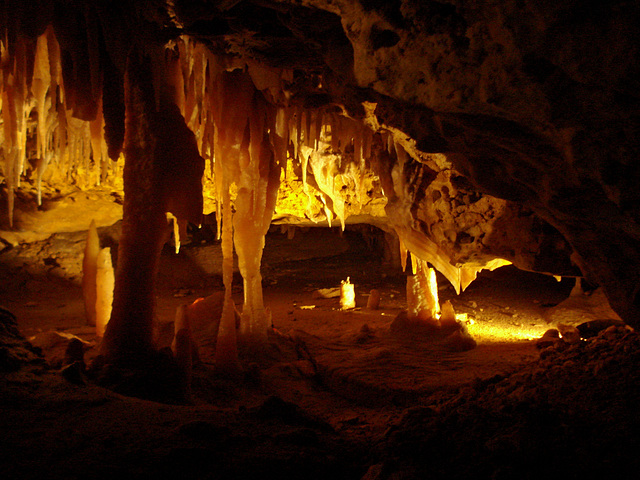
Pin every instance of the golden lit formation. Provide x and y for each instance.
(266, 157)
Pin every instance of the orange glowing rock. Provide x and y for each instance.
(105, 280)
(205, 313)
(89, 271)
(448, 317)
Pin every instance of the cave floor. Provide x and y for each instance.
(338, 384)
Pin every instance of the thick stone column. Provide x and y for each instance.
(162, 173)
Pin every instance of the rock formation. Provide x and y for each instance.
(479, 133)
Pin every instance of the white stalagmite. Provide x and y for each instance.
(246, 154)
(89, 272)
(105, 281)
(255, 203)
(422, 295)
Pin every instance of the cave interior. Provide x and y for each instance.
(362, 239)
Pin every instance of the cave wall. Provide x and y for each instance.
(528, 109)
(535, 102)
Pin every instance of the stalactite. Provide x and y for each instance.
(32, 79)
(173, 221)
(40, 87)
(10, 154)
(335, 137)
(403, 254)
(254, 209)
(245, 157)
(98, 145)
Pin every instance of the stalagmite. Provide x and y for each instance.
(226, 343)
(374, 299)
(448, 317)
(422, 295)
(577, 291)
(204, 317)
(347, 295)
(105, 280)
(460, 340)
(163, 173)
(245, 157)
(89, 273)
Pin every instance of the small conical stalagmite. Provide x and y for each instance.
(105, 280)
(448, 317)
(89, 270)
(373, 303)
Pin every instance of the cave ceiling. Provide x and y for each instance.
(480, 130)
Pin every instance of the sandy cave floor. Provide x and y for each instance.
(322, 392)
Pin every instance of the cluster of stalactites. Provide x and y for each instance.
(34, 106)
(401, 184)
(323, 141)
(246, 127)
(217, 98)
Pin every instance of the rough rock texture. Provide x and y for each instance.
(534, 104)
(522, 425)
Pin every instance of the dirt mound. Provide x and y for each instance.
(572, 414)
